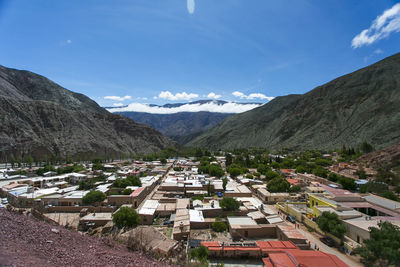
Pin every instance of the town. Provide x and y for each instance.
(242, 207)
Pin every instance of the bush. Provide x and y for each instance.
(278, 184)
(200, 253)
(229, 204)
(219, 226)
(126, 217)
(294, 189)
(128, 181)
(93, 197)
(127, 191)
(329, 222)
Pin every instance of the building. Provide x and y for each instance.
(297, 257)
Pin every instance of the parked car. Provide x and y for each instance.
(4, 201)
(327, 241)
(290, 219)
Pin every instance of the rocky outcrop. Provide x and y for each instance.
(42, 119)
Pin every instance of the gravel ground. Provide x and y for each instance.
(26, 241)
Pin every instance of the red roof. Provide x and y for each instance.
(276, 245)
(292, 181)
(309, 258)
(137, 192)
(210, 243)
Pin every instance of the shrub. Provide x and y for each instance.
(229, 204)
(93, 197)
(219, 226)
(126, 217)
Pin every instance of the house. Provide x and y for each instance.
(297, 257)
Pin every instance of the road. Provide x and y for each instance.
(312, 237)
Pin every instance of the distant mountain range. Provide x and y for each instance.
(182, 121)
(361, 106)
(42, 119)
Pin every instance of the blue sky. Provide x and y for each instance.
(173, 51)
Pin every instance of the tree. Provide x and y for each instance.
(361, 173)
(294, 189)
(126, 217)
(347, 183)
(93, 197)
(219, 226)
(163, 161)
(234, 172)
(12, 161)
(366, 148)
(383, 246)
(278, 184)
(215, 170)
(389, 195)
(224, 182)
(29, 161)
(329, 222)
(320, 171)
(270, 174)
(228, 159)
(229, 204)
(200, 253)
(128, 181)
(127, 191)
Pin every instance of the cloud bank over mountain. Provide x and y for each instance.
(209, 106)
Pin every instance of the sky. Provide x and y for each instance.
(161, 51)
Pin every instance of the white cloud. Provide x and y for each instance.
(212, 95)
(118, 105)
(380, 28)
(252, 96)
(228, 107)
(118, 98)
(141, 98)
(178, 96)
(378, 51)
(190, 6)
(69, 41)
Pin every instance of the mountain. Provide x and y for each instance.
(361, 106)
(42, 119)
(183, 121)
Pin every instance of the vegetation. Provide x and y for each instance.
(229, 204)
(126, 217)
(278, 184)
(224, 183)
(128, 181)
(93, 197)
(329, 222)
(294, 189)
(383, 247)
(127, 191)
(219, 226)
(200, 254)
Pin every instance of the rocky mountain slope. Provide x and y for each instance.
(182, 121)
(361, 106)
(25, 241)
(178, 126)
(389, 156)
(42, 119)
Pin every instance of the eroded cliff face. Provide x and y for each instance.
(42, 119)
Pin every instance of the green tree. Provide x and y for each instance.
(93, 197)
(347, 183)
(200, 253)
(163, 160)
(361, 173)
(12, 161)
(294, 189)
(278, 184)
(329, 222)
(126, 217)
(229, 204)
(383, 246)
(228, 159)
(215, 170)
(270, 175)
(219, 226)
(224, 182)
(127, 191)
(320, 171)
(389, 195)
(366, 148)
(235, 172)
(29, 161)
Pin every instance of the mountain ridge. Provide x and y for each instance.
(360, 106)
(42, 119)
